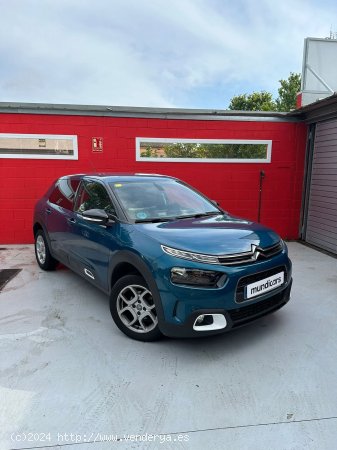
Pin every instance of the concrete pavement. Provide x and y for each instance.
(66, 369)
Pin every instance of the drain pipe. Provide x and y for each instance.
(262, 175)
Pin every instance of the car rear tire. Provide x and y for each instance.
(133, 309)
(42, 252)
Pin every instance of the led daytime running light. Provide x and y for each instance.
(190, 255)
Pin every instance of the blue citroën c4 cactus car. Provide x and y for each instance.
(172, 262)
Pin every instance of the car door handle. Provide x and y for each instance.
(48, 210)
(71, 220)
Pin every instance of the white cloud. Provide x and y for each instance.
(151, 53)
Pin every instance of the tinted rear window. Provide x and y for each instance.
(64, 193)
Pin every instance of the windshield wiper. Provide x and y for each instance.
(155, 220)
(198, 215)
(170, 219)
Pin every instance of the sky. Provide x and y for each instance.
(158, 53)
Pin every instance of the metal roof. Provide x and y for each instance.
(318, 111)
(144, 112)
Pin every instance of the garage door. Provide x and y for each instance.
(321, 225)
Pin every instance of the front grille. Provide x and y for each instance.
(233, 259)
(270, 251)
(255, 254)
(241, 316)
(237, 258)
(243, 282)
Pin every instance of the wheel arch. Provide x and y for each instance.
(40, 226)
(126, 263)
(122, 269)
(36, 227)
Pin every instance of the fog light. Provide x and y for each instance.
(210, 322)
(200, 319)
(198, 277)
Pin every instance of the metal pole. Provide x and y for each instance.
(262, 175)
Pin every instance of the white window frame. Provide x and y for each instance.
(73, 138)
(140, 140)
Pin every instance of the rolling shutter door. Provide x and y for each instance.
(321, 225)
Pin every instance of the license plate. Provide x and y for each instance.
(265, 285)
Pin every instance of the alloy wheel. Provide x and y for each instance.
(136, 309)
(41, 249)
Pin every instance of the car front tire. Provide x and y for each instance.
(133, 309)
(42, 252)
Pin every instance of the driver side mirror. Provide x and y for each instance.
(98, 216)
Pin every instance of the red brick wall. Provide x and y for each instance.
(235, 186)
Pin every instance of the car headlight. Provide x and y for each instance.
(198, 257)
(284, 245)
(197, 277)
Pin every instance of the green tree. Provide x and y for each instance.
(206, 150)
(183, 150)
(287, 92)
(263, 101)
(257, 101)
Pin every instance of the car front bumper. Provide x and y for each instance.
(234, 318)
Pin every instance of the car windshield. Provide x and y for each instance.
(161, 200)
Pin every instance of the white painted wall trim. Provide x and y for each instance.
(73, 138)
(140, 140)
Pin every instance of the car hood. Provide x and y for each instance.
(216, 235)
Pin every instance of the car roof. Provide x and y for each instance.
(113, 176)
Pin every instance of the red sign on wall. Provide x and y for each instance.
(97, 144)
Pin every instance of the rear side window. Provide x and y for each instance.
(64, 193)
